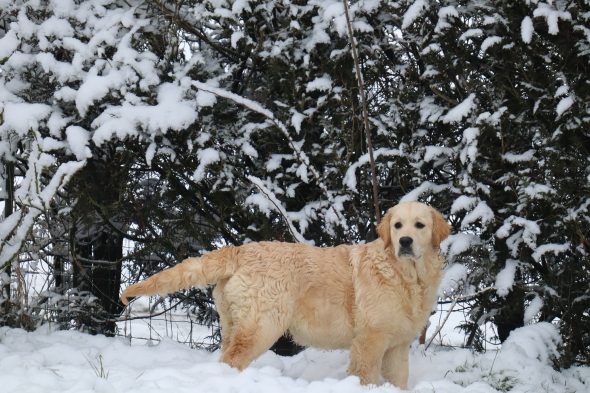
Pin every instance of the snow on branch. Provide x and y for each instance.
(305, 163)
(550, 248)
(424, 188)
(350, 177)
(275, 205)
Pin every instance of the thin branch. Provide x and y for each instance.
(272, 198)
(440, 326)
(456, 299)
(363, 95)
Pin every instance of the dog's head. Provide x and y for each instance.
(412, 229)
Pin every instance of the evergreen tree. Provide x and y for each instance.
(185, 125)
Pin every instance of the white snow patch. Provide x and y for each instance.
(514, 158)
(527, 30)
(206, 157)
(8, 44)
(538, 341)
(296, 120)
(457, 244)
(424, 188)
(533, 309)
(552, 16)
(561, 91)
(482, 212)
(235, 38)
(275, 160)
(537, 191)
(469, 152)
(78, 138)
(505, 278)
(432, 153)
(471, 33)
(443, 18)
(51, 362)
(204, 98)
(550, 248)
(564, 104)
(413, 12)
(322, 83)
(489, 42)
(454, 276)
(463, 202)
(23, 117)
(460, 111)
(350, 176)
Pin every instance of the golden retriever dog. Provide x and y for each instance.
(372, 298)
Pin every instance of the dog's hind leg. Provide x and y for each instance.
(223, 309)
(250, 338)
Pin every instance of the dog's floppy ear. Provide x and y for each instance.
(383, 229)
(440, 228)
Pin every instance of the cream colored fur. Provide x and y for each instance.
(365, 297)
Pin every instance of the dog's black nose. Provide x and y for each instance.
(405, 241)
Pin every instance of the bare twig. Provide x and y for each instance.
(440, 326)
(456, 299)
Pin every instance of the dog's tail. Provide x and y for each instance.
(192, 272)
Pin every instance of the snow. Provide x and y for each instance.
(206, 157)
(205, 98)
(454, 276)
(505, 278)
(536, 190)
(471, 33)
(458, 243)
(267, 201)
(463, 202)
(527, 29)
(350, 177)
(469, 152)
(550, 248)
(22, 117)
(552, 16)
(413, 12)
(489, 42)
(514, 158)
(431, 153)
(459, 112)
(296, 120)
(563, 105)
(77, 138)
(482, 212)
(443, 18)
(47, 361)
(562, 90)
(532, 309)
(322, 83)
(172, 112)
(8, 44)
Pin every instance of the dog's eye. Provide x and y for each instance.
(419, 225)
(398, 225)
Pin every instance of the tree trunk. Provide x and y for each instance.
(8, 210)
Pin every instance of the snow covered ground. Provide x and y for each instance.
(68, 361)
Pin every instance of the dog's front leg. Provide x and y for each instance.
(395, 365)
(366, 356)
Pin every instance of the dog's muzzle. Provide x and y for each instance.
(406, 249)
